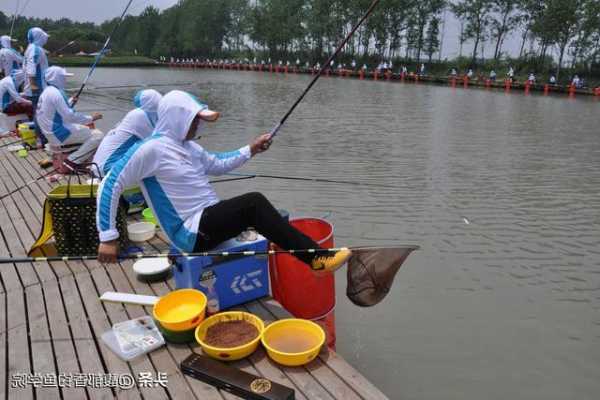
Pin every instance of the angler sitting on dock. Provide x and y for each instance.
(137, 125)
(12, 101)
(61, 124)
(173, 170)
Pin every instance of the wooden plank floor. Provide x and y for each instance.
(51, 319)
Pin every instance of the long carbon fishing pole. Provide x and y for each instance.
(323, 68)
(101, 54)
(12, 25)
(17, 260)
(53, 172)
(17, 15)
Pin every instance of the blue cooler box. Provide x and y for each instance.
(226, 281)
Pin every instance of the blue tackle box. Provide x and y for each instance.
(227, 281)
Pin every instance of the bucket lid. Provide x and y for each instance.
(151, 266)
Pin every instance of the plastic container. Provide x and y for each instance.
(327, 322)
(180, 310)
(27, 133)
(293, 333)
(152, 269)
(141, 231)
(131, 339)
(148, 216)
(231, 353)
(177, 337)
(294, 285)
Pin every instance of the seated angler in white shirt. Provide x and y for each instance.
(136, 126)
(172, 170)
(62, 125)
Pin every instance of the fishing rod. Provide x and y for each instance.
(323, 67)
(100, 54)
(18, 260)
(320, 180)
(72, 42)
(53, 172)
(17, 14)
(12, 25)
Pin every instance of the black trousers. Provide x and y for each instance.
(229, 218)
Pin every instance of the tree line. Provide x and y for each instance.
(551, 31)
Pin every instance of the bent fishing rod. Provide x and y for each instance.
(100, 54)
(18, 260)
(275, 130)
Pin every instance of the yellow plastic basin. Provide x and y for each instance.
(232, 353)
(293, 342)
(180, 310)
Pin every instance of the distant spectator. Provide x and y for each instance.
(552, 80)
(453, 73)
(531, 78)
(422, 71)
(576, 81)
(470, 73)
(493, 76)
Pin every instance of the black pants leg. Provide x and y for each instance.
(35, 97)
(229, 218)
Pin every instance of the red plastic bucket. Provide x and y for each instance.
(327, 322)
(294, 285)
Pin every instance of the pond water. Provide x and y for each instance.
(501, 191)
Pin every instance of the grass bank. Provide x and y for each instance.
(109, 61)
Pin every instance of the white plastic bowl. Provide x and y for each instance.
(141, 231)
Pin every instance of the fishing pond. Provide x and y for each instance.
(500, 190)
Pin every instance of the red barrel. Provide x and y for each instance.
(294, 285)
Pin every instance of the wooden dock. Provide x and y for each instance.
(51, 320)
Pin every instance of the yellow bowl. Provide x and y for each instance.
(293, 342)
(232, 353)
(180, 310)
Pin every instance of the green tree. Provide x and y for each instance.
(505, 18)
(476, 15)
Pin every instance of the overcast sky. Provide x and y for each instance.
(101, 10)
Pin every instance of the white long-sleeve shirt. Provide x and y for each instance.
(10, 59)
(137, 125)
(8, 92)
(55, 116)
(35, 63)
(172, 173)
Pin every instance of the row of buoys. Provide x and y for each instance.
(361, 74)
